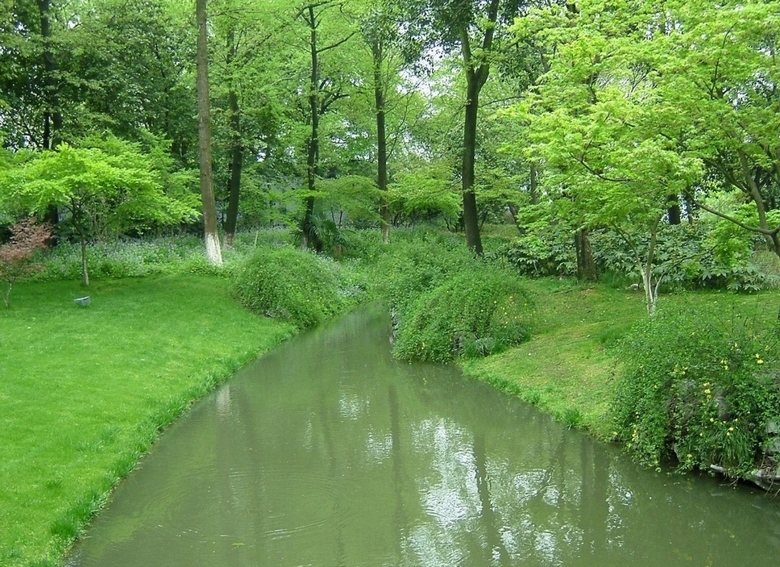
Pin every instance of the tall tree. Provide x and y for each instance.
(213, 250)
(474, 26)
(322, 92)
(379, 30)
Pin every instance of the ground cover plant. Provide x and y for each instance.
(570, 366)
(85, 391)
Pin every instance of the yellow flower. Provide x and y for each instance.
(708, 391)
(759, 361)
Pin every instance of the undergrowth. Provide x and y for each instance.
(492, 314)
(700, 388)
(294, 285)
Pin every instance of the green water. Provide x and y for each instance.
(329, 453)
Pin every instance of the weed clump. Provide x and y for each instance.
(481, 311)
(702, 390)
(290, 284)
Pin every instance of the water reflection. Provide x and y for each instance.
(328, 452)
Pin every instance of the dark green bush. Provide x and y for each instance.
(704, 390)
(478, 312)
(290, 284)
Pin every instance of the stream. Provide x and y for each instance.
(327, 452)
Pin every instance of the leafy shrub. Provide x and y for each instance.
(416, 263)
(481, 311)
(686, 256)
(700, 389)
(546, 247)
(290, 284)
(16, 256)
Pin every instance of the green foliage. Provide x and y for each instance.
(350, 198)
(545, 247)
(492, 314)
(417, 262)
(131, 258)
(292, 285)
(425, 194)
(699, 387)
(686, 256)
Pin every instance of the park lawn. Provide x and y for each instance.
(84, 391)
(568, 368)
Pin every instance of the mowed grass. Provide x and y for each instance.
(569, 366)
(84, 391)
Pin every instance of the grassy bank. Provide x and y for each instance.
(85, 391)
(568, 367)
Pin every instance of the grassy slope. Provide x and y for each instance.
(567, 368)
(84, 391)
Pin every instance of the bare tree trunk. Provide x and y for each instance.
(236, 164)
(84, 271)
(470, 216)
(674, 212)
(213, 250)
(52, 116)
(310, 238)
(381, 135)
(586, 265)
(477, 70)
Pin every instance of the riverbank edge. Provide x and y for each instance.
(71, 524)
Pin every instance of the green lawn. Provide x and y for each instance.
(568, 367)
(84, 391)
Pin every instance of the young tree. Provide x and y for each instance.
(610, 147)
(16, 257)
(113, 186)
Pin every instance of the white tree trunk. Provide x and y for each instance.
(213, 250)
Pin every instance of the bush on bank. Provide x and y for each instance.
(479, 312)
(703, 390)
(293, 285)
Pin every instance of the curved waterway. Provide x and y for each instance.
(327, 452)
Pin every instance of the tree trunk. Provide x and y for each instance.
(309, 236)
(673, 212)
(476, 76)
(381, 135)
(213, 251)
(84, 271)
(236, 164)
(470, 218)
(52, 116)
(586, 265)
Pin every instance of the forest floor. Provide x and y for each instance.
(86, 390)
(569, 366)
